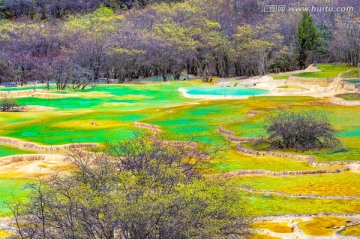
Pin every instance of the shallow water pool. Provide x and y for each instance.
(218, 91)
(354, 81)
(7, 151)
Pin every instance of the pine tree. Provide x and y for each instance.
(307, 37)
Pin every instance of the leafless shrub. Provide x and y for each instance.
(300, 131)
(138, 188)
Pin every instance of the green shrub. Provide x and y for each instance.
(8, 104)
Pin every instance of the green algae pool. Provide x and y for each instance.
(7, 151)
(354, 81)
(115, 108)
(119, 97)
(162, 105)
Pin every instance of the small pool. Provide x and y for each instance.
(354, 81)
(349, 96)
(7, 151)
(221, 92)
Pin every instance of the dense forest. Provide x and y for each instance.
(76, 42)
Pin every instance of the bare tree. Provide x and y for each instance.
(346, 40)
(141, 188)
(300, 131)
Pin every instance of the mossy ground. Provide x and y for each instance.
(351, 74)
(327, 71)
(233, 160)
(261, 204)
(351, 231)
(341, 184)
(322, 226)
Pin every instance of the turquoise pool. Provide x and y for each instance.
(218, 91)
(354, 81)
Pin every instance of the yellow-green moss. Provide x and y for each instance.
(4, 234)
(351, 231)
(340, 184)
(280, 227)
(322, 226)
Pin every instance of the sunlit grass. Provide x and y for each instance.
(351, 74)
(327, 71)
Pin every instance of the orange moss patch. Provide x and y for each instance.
(322, 226)
(351, 231)
(281, 227)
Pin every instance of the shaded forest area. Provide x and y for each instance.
(77, 42)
